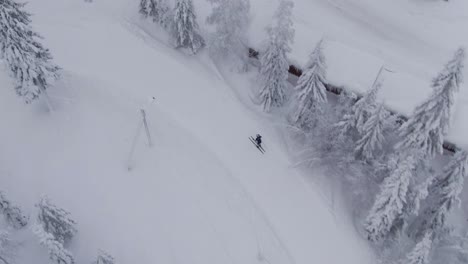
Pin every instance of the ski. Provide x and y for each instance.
(260, 148)
(256, 145)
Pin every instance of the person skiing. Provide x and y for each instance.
(258, 139)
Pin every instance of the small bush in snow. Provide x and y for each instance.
(12, 213)
(104, 258)
(57, 253)
(56, 221)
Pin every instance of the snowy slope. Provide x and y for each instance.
(202, 194)
(412, 38)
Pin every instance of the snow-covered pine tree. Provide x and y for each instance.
(274, 63)
(421, 252)
(104, 258)
(345, 129)
(430, 121)
(338, 126)
(353, 122)
(230, 19)
(158, 10)
(372, 138)
(310, 89)
(365, 106)
(57, 253)
(386, 215)
(56, 221)
(13, 214)
(445, 193)
(29, 62)
(185, 27)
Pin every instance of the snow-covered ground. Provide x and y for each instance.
(201, 194)
(412, 38)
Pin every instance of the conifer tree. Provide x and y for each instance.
(344, 129)
(186, 27)
(365, 106)
(353, 122)
(430, 121)
(29, 62)
(57, 252)
(158, 10)
(230, 19)
(420, 253)
(13, 214)
(274, 64)
(310, 89)
(56, 221)
(372, 138)
(445, 193)
(387, 213)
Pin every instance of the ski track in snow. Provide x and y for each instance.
(251, 204)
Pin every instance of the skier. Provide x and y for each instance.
(258, 139)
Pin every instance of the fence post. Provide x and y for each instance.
(145, 123)
(142, 123)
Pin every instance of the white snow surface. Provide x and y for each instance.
(201, 194)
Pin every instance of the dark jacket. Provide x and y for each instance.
(258, 139)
